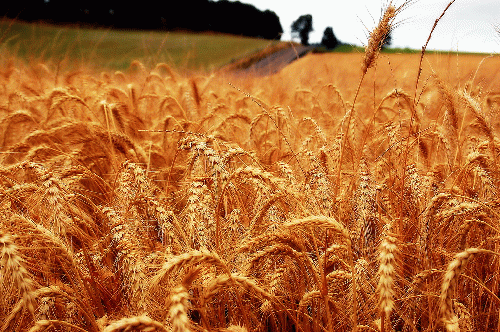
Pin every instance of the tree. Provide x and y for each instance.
(224, 16)
(302, 27)
(329, 40)
(387, 40)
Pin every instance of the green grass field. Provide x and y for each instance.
(116, 49)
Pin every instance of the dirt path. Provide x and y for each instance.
(276, 61)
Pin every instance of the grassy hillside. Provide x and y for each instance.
(117, 49)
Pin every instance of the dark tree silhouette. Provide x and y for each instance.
(225, 16)
(302, 27)
(387, 42)
(329, 40)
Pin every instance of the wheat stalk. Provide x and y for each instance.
(424, 48)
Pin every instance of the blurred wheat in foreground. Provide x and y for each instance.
(148, 200)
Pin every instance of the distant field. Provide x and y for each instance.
(114, 49)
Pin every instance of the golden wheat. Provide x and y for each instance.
(312, 199)
(141, 323)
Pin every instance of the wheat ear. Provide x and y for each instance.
(179, 297)
(179, 303)
(236, 328)
(185, 260)
(53, 291)
(449, 285)
(137, 323)
(386, 278)
(323, 222)
(12, 264)
(246, 283)
(45, 324)
(377, 37)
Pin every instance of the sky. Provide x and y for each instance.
(468, 25)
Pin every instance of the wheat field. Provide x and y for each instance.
(349, 192)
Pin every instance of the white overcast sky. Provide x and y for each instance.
(468, 25)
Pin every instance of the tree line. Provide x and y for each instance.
(232, 17)
(193, 15)
(303, 26)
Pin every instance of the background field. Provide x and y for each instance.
(112, 49)
(155, 199)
